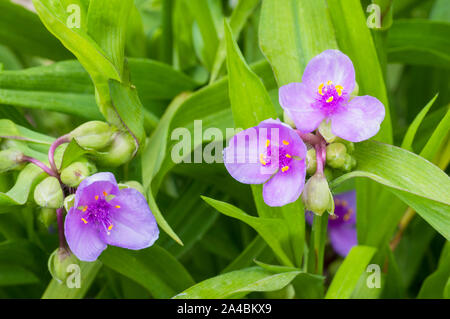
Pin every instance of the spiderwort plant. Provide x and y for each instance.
(105, 215)
(325, 94)
(272, 154)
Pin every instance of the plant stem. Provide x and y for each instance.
(51, 152)
(317, 243)
(60, 220)
(41, 165)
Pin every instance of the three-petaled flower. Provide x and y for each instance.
(325, 94)
(105, 215)
(341, 225)
(272, 154)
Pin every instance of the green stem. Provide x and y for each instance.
(317, 243)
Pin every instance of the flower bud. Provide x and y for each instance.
(119, 152)
(10, 159)
(349, 145)
(59, 262)
(336, 155)
(93, 135)
(48, 193)
(350, 162)
(311, 161)
(47, 216)
(74, 174)
(317, 196)
(325, 131)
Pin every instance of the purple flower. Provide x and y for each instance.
(341, 225)
(271, 153)
(325, 94)
(105, 215)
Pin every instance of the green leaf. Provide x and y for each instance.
(347, 277)
(291, 33)
(274, 231)
(419, 42)
(9, 129)
(238, 284)
(435, 285)
(88, 272)
(15, 275)
(126, 103)
(19, 193)
(72, 152)
(417, 182)
(412, 129)
(153, 268)
(21, 30)
(437, 138)
(202, 13)
(237, 21)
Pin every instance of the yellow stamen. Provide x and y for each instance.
(344, 203)
(85, 208)
(285, 142)
(339, 89)
(329, 82)
(117, 206)
(267, 143)
(96, 197)
(288, 156)
(84, 220)
(284, 168)
(105, 194)
(334, 217)
(330, 99)
(261, 159)
(346, 217)
(320, 88)
(110, 227)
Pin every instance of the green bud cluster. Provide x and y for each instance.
(109, 146)
(339, 155)
(48, 193)
(311, 161)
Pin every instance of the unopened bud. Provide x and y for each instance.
(317, 196)
(10, 159)
(59, 262)
(325, 131)
(349, 145)
(47, 216)
(76, 172)
(48, 193)
(311, 161)
(119, 152)
(349, 164)
(336, 155)
(93, 135)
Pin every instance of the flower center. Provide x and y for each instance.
(98, 213)
(342, 212)
(329, 97)
(284, 158)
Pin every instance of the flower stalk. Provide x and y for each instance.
(51, 153)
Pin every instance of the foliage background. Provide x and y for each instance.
(186, 66)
